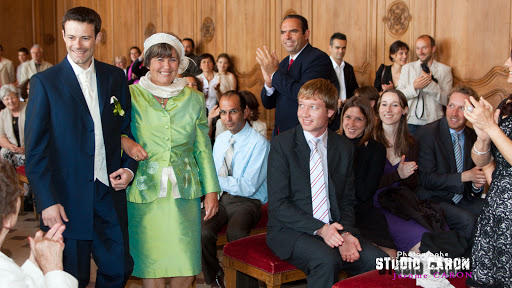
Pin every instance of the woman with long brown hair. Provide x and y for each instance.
(358, 122)
(400, 165)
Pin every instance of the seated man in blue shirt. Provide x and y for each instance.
(240, 156)
(447, 173)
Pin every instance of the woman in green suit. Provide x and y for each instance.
(170, 124)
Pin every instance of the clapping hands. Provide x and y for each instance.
(46, 251)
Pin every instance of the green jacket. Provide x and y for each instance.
(176, 136)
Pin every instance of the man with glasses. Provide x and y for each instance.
(240, 156)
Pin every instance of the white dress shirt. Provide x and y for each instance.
(341, 78)
(90, 91)
(322, 149)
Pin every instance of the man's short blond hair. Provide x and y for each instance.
(321, 89)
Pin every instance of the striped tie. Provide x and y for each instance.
(458, 161)
(226, 169)
(318, 194)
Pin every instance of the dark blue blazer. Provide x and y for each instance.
(290, 210)
(311, 63)
(59, 140)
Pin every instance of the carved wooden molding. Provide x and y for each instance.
(254, 70)
(258, 82)
(150, 30)
(207, 29)
(251, 78)
(499, 93)
(398, 18)
(496, 71)
(363, 69)
(289, 12)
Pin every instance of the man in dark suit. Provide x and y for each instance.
(283, 80)
(193, 68)
(447, 173)
(344, 71)
(311, 196)
(78, 111)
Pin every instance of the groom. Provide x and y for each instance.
(74, 164)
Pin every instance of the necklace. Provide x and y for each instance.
(161, 100)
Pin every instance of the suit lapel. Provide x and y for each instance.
(446, 139)
(469, 139)
(303, 151)
(101, 82)
(283, 65)
(297, 63)
(70, 82)
(301, 146)
(333, 158)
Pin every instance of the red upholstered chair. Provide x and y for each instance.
(375, 280)
(260, 228)
(251, 255)
(22, 179)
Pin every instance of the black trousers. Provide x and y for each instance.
(323, 264)
(109, 247)
(462, 217)
(241, 214)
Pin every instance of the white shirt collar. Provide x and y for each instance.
(77, 69)
(334, 64)
(459, 133)
(323, 137)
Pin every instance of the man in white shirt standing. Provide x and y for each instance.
(426, 84)
(344, 71)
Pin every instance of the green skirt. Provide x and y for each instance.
(165, 237)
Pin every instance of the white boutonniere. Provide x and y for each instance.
(118, 110)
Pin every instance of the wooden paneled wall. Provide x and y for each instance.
(473, 36)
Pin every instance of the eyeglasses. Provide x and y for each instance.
(231, 112)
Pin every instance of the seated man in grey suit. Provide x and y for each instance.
(311, 194)
(447, 173)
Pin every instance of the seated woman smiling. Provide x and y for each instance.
(12, 123)
(358, 122)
